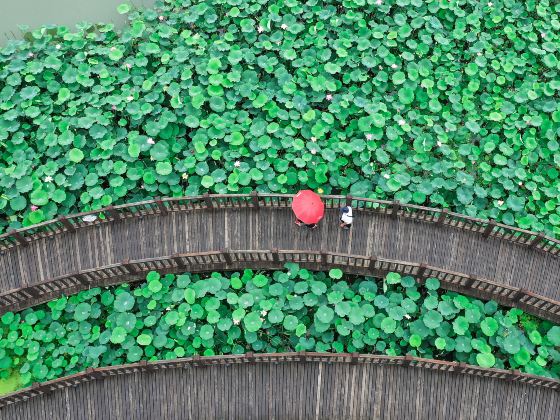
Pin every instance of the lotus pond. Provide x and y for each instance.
(289, 310)
(446, 103)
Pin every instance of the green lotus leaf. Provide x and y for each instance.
(432, 283)
(252, 321)
(123, 8)
(144, 339)
(485, 360)
(553, 335)
(123, 302)
(489, 326)
(393, 278)
(415, 340)
(118, 335)
(388, 325)
(82, 311)
(432, 319)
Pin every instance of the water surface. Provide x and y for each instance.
(36, 13)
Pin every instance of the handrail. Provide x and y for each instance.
(442, 217)
(92, 374)
(230, 260)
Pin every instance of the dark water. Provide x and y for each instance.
(36, 13)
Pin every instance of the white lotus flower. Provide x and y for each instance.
(128, 66)
(236, 321)
(313, 151)
(439, 143)
(500, 202)
(263, 312)
(490, 4)
(30, 54)
(284, 26)
(48, 178)
(386, 176)
(402, 122)
(150, 141)
(130, 98)
(379, 2)
(313, 139)
(328, 97)
(237, 164)
(185, 176)
(543, 35)
(394, 66)
(407, 316)
(260, 29)
(57, 46)
(520, 183)
(479, 53)
(369, 136)
(161, 18)
(112, 48)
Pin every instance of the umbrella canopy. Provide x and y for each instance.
(308, 207)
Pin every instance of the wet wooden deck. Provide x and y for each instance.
(266, 228)
(292, 390)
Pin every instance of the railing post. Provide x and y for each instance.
(395, 208)
(129, 267)
(537, 240)
(208, 201)
(67, 224)
(442, 217)
(179, 261)
(255, 198)
(250, 356)
(38, 387)
(113, 214)
(161, 206)
(227, 256)
(421, 271)
(463, 367)
(275, 255)
(349, 200)
(372, 261)
(408, 360)
(354, 358)
(93, 373)
(81, 277)
(514, 375)
(489, 228)
(519, 294)
(20, 239)
(323, 259)
(470, 281)
(33, 292)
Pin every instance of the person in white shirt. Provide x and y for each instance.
(346, 217)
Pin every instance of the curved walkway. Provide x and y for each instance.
(292, 385)
(475, 249)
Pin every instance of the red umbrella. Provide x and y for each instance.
(308, 207)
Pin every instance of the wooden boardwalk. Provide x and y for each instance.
(373, 387)
(465, 246)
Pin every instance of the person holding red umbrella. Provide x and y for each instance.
(308, 208)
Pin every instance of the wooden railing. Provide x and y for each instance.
(161, 206)
(230, 260)
(92, 374)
